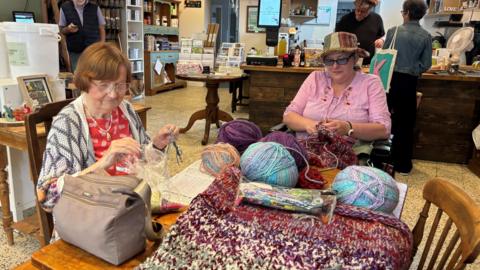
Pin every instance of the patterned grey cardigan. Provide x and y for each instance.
(69, 147)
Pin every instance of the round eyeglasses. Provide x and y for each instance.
(107, 88)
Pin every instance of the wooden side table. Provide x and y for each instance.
(211, 113)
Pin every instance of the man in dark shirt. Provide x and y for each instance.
(366, 25)
(83, 24)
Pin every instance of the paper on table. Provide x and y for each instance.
(187, 184)
(402, 188)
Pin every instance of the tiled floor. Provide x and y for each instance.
(177, 106)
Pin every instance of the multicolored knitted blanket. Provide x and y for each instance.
(217, 234)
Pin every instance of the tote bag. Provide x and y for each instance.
(383, 63)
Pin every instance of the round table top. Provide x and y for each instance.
(211, 78)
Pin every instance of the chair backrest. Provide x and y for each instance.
(36, 147)
(461, 211)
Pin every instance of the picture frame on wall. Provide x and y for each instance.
(35, 90)
(252, 17)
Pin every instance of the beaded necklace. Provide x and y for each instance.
(104, 132)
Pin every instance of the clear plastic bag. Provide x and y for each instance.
(152, 166)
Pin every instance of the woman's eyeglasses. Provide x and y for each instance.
(339, 61)
(107, 88)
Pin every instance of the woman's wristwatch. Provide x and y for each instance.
(350, 128)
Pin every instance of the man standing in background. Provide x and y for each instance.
(83, 24)
(366, 25)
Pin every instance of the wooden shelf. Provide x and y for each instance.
(303, 17)
(444, 13)
(174, 51)
(160, 30)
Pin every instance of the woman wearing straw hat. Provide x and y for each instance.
(340, 98)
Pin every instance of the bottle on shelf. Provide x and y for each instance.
(282, 46)
(302, 59)
(296, 58)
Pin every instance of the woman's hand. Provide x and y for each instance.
(118, 150)
(164, 136)
(311, 127)
(379, 43)
(338, 126)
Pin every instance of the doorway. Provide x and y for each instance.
(225, 13)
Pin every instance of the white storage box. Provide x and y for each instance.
(208, 57)
(184, 56)
(30, 49)
(196, 56)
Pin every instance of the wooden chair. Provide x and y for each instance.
(461, 211)
(36, 147)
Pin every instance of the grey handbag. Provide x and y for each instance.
(105, 215)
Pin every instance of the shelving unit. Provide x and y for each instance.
(161, 44)
(132, 36)
(112, 11)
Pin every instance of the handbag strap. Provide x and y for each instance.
(394, 39)
(144, 191)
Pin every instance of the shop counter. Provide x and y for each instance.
(448, 112)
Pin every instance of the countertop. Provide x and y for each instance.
(429, 75)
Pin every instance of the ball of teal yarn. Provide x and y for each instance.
(366, 187)
(269, 162)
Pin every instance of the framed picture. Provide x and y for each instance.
(252, 14)
(35, 90)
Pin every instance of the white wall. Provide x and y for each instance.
(193, 20)
(390, 13)
(318, 32)
(250, 40)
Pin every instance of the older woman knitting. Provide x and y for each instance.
(98, 130)
(340, 98)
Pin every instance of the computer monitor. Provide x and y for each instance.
(269, 13)
(23, 16)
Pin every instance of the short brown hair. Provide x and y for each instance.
(371, 3)
(100, 61)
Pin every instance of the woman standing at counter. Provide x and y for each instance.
(414, 56)
(342, 99)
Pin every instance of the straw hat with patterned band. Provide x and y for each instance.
(342, 42)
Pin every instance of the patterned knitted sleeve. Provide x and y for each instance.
(144, 138)
(66, 152)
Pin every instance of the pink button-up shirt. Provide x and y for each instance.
(363, 101)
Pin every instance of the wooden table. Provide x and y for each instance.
(211, 113)
(16, 137)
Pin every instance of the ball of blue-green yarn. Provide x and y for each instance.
(366, 187)
(269, 162)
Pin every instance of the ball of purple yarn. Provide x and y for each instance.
(239, 133)
(288, 140)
